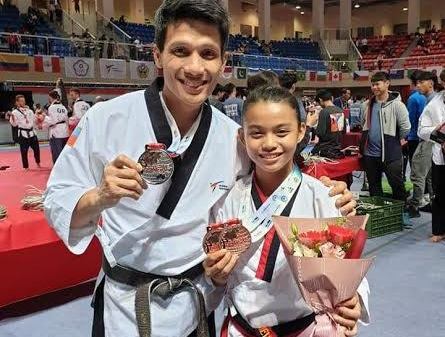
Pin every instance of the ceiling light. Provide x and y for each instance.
(302, 13)
(405, 9)
(297, 7)
(357, 6)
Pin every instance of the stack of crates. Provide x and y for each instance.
(385, 218)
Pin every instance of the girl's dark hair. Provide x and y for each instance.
(274, 94)
(208, 11)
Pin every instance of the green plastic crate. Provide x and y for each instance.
(387, 218)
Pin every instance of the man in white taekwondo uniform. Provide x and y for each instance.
(23, 118)
(57, 124)
(152, 237)
(80, 107)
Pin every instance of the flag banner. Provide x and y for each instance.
(409, 72)
(113, 69)
(322, 75)
(335, 76)
(47, 64)
(79, 67)
(240, 73)
(361, 75)
(143, 71)
(436, 70)
(311, 75)
(227, 73)
(301, 76)
(13, 62)
(397, 74)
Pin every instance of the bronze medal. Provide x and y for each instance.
(230, 235)
(157, 165)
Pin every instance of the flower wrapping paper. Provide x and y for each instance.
(323, 282)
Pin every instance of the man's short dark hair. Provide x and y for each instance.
(323, 95)
(345, 91)
(208, 11)
(228, 88)
(54, 94)
(380, 76)
(265, 77)
(426, 76)
(77, 91)
(287, 80)
(217, 89)
(414, 77)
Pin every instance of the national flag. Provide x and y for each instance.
(13, 62)
(143, 71)
(227, 73)
(300, 76)
(79, 67)
(409, 72)
(322, 75)
(73, 138)
(240, 73)
(397, 74)
(335, 76)
(311, 75)
(361, 75)
(47, 64)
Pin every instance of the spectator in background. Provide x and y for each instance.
(433, 118)
(356, 112)
(23, 118)
(14, 42)
(421, 158)
(217, 96)
(330, 128)
(233, 106)
(385, 125)
(59, 14)
(111, 48)
(265, 77)
(416, 103)
(51, 10)
(343, 101)
(76, 6)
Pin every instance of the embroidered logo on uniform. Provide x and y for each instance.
(73, 138)
(265, 332)
(219, 185)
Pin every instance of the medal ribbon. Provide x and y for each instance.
(179, 145)
(261, 221)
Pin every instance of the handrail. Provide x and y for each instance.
(150, 45)
(355, 47)
(77, 23)
(114, 25)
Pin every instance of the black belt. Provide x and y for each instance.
(281, 330)
(164, 286)
(61, 122)
(28, 131)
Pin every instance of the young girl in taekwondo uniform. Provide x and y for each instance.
(262, 296)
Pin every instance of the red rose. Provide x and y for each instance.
(339, 235)
(312, 239)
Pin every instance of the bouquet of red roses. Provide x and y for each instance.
(324, 257)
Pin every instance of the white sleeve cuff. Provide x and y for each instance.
(76, 240)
